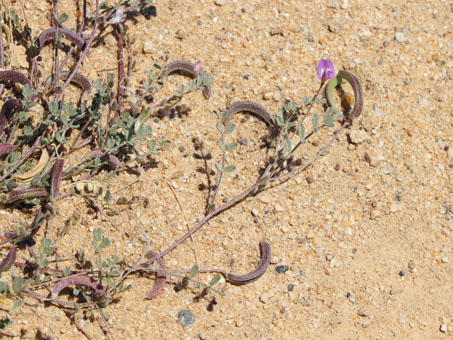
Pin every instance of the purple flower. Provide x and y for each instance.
(325, 70)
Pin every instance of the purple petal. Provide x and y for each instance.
(320, 69)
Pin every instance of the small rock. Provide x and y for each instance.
(264, 199)
(310, 179)
(279, 208)
(394, 208)
(310, 37)
(180, 34)
(399, 37)
(110, 40)
(290, 287)
(220, 2)
(332, 262)
(277, 96)
(268, 295)
(344, 4)
(444, 259)
(374, 157)
(363, 312)
(243, 141)
(186, 317)
(276, 31)
(332, 5)
(450, 153)
(375, 214)
(281, 269)
(148, 47)
(255, 212)
(402, 273)
(358, 136)
(411, 265)
(443, 328)
(267, 95)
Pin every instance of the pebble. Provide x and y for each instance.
(277, 96)
(399, 37)
(375, 214)
(444, 259)
(281, 269)
(186, 317)
(344, 4)
(255, 212)
(220, 2)
(268, 295)
(402, 273)
(443, 328)
(358, 136)
(243, 141)
(450, 153)
(290, 287)
(310, 37)
(180, 34)
(411, 265)
(310, 179)
(264, 199)
(148, 47)
(279, 208)
(374, 157)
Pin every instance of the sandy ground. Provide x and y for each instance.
(367, 239)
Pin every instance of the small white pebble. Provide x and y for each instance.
(444, 259)
(443, 328)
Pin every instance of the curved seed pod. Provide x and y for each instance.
(5, 148)
(28, 175)
(77, 79)
(78, 280)
(161, 279)
(254, 275)
(93, 154)
(8, 109)
(254, 108)
(193, 70)
(16, 77)
(21, 194)
(55, 177)
(113, 160)
(72, 36)
(356, 87)
(8, 261)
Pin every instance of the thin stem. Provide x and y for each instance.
(84, 53)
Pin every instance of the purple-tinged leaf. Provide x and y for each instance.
(112, 159)
(55, 178)
(5, 148)
(78, 280)
(161, 278)
(8, 261)
(21, 194)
